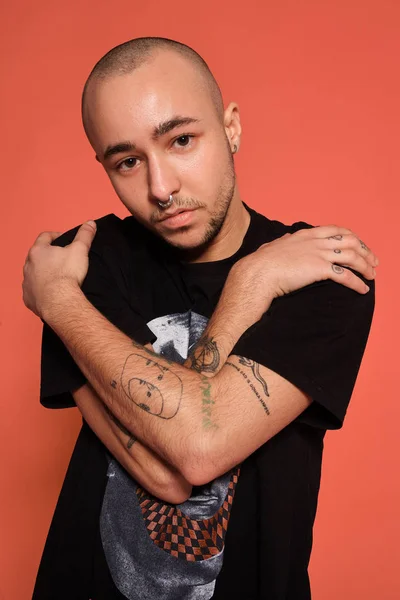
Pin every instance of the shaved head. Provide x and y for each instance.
(155, 118)
(127, 57)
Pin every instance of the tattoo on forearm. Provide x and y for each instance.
(154, 388)
(255, 368)
(205, 357)
(132, 438)
(207, 403)
(150, 352)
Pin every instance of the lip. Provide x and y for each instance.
(177, 219)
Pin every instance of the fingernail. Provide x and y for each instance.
(366, 289)
(91, 223)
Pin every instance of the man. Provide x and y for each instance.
(227, 345)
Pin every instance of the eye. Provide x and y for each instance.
(183, 140)
(127, 164)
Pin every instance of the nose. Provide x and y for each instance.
(162, 178)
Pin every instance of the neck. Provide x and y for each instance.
(229, 239)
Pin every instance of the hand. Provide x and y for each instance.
(294, 261)
(48, 268)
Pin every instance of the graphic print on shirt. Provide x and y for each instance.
(159, 551)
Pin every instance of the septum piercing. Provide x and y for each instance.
(167, 203)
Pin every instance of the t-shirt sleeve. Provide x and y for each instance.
(104, 288)
(315, 338)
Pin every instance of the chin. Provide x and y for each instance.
(185, 239)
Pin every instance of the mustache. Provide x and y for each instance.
(179, 203)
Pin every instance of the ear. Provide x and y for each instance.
(233, 128)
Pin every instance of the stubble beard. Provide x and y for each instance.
(218, 216)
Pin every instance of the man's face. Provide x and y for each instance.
(157, 132)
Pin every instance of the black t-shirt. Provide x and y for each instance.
(314, 338)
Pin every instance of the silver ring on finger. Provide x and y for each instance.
(337, 251)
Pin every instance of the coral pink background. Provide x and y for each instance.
(318, 86)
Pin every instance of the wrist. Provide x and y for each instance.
(57, 297)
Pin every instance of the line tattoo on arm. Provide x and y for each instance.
(132, 438)
(207, 403)
(255, 369)
(151, 385)
(205, 356)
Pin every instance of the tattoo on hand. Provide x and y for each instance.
(113, 384)
(337, 269)
(205, 357)
(132, 438)
(335, 237)
(154, 388)
(255, 368)
(207, 403)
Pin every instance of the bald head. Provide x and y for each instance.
(127, 57)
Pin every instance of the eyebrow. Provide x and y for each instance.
(173, 123)
(118, 149)
(160, 130)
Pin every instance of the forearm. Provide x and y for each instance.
(227, 324)
(144, 395)
(156, 476)
(201, 426)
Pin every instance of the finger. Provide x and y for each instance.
(353, 260)
(331, 231)
(369, 253)
(85, 234)
(351, 241)
(46, 238)
(347, 278)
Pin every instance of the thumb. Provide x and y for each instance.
(86, 233)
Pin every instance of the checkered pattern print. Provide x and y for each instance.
(182, 537)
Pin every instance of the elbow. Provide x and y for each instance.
(197, 476)
(174, 490)
(199, 467)
(165, 484)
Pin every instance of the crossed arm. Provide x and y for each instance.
(149, 470)
(200, 426)
(154, 474)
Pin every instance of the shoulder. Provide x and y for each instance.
(325, 305)
(265, 230)
(111, 232)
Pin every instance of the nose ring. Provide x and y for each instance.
(166, 204)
